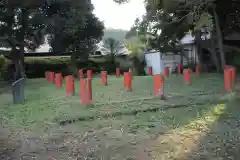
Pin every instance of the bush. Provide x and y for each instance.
(36, 67)
(3, 66)
(2, 62)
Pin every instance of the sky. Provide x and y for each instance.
(118, 16)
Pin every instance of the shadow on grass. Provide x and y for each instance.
(222, 141)
(135, 130)
(213, 135)
(154, 108)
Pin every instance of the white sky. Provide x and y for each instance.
(118, 16)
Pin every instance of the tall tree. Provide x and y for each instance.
(19, 31)
(23, 24)
(22, 27)
(76, 30)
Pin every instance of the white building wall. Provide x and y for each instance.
(154, 60)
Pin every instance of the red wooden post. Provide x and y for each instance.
(198, 69)
(228, 80)
(86, 91)
(150, 72)
(128, 81)
(70, 86)
(118, 72)
(52, 77)
(124, 79)
(80, 74)
(166, 72)
(89, 74)
(82, 90)
(227, 66)
(234, 72)
(187, 76)
(179, 68)
(159, 86)
(104, 77)
(58, 80)
(89, 90)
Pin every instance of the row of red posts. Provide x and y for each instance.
(86, 86)
(86, 83)
(179, 69)
(186, 72)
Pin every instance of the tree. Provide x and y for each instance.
(179, 16)
(113, 45)
(22, 27)
(18, 31)
(77, 31)
(23, 24)
(137, 57)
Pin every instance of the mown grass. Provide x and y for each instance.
(122, 136)
(46, 105)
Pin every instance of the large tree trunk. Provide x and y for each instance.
(219, 40)
(22, 37)
(18, 80)
(214, 55)
(215, 60)
(199, 53)
(15, 57)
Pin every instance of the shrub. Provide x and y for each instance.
(2, 62)
(36, 67)
(3, 66)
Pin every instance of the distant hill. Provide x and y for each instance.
(117, 34)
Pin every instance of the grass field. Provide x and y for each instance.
(120, 124)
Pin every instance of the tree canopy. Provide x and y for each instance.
(76, 30)
(69, 24)
(167, 21)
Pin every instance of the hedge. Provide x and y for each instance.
(36, 67)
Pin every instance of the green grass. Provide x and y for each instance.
(111, 135)
(46, 105)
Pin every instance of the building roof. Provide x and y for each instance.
(122, 49)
